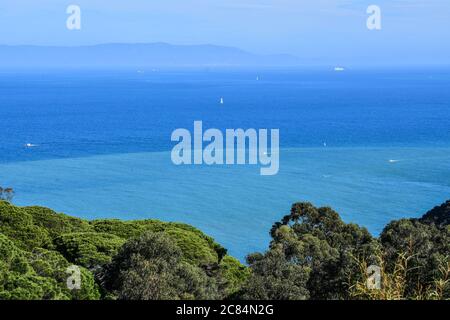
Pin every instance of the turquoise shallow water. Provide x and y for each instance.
(235, 204)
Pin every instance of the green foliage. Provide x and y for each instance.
(310, 255)
(395, 277)
(18, 279)
(426, 244)
(38, 246)
(439, 216)
(150, 267)
(56, 223)
(330, 258)
(122, 229)
(274, 277)
(53, 265)
(232, 275)
(88, 249)
(38, 275)
(12, 258)
(313, 255)
(197, 248)
(19, 226)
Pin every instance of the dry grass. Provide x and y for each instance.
(393, 284)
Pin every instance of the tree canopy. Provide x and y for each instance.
(313, 254)
(37, 245)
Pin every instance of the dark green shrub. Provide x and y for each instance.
(151, 266)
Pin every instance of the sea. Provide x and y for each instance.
(372, 144)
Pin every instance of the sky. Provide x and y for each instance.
(416, 31)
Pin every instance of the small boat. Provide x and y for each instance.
(339, 69)
(30, 145)
(221, 100)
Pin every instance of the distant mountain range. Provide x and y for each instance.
(137, 55)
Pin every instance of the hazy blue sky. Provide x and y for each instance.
(412, 30)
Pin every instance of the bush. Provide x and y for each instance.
(198, 249)
(310, 255)
(275, 278)
(232, 275)
(46, 243)
(151, 267)
(19, 226)
(56, 223)
(88, 249)
(426, 243)
(38, 275)
(18, 280)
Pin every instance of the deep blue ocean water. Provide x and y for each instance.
(101, 142)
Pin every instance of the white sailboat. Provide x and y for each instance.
(30, 145)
